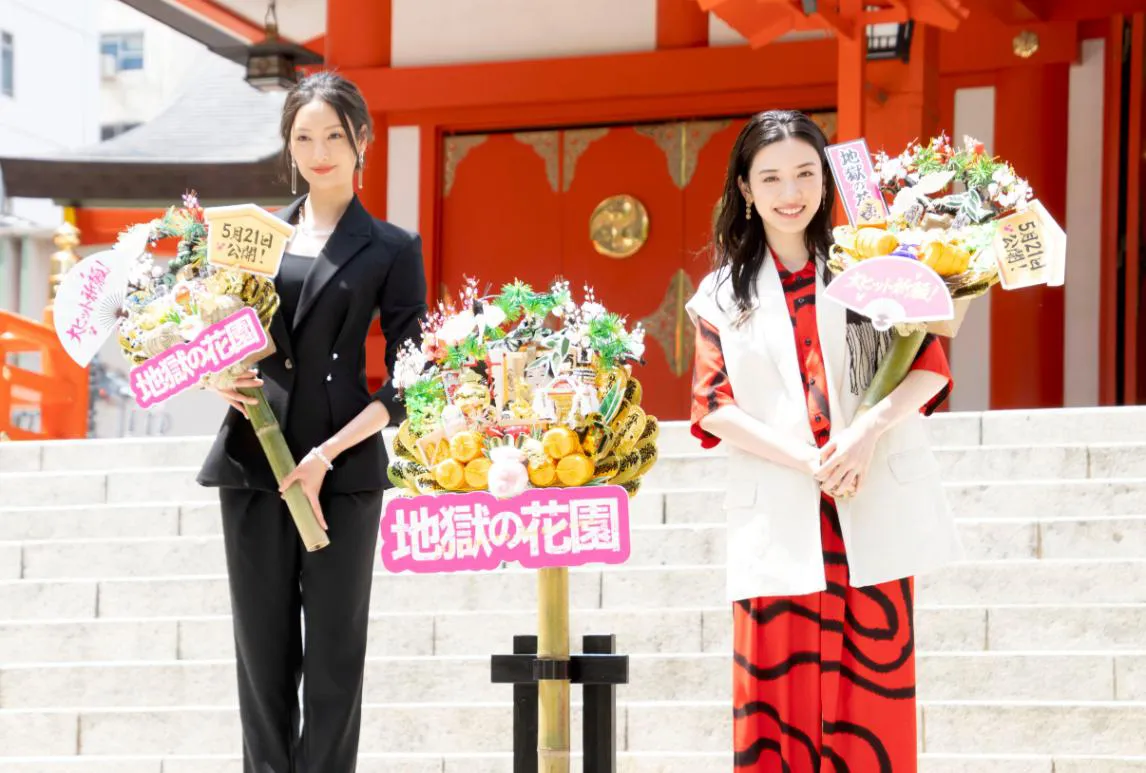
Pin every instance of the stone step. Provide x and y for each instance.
(1033, 427)
(997, 499)
(965, 629)
(654, 678)
(948, 727)
(101, 454)
(95, 521)
(1070, 425)
(1043, 581)
(665, 545)
(627, 762)
(701, 469)
(1030, 499)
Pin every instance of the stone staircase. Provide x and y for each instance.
(116, 651)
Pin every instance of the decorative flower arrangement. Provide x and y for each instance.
(521, 389)
(964, 214)
(168, 307)
(945, 202)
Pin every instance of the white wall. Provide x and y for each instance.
(428, 32)
(1084, 225)
(971, 349)
(403, 170)
(136, 96)
(55, 105)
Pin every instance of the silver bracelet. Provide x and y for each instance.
(322, 458)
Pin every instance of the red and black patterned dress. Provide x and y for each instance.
(826, 681)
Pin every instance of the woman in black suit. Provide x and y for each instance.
(341, 266)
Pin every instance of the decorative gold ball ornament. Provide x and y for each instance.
(542, 474)
(449, 474)
(619, 226)
(559, 442)
(1026, 44)
(575, 470)
(465, 446)
(477, 473)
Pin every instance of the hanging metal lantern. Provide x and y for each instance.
(272, 64)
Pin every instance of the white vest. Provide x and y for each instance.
(898, 525)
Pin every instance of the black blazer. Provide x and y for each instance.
(316, 380)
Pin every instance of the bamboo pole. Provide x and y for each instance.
(274, 445)
(893, 369)
(553, 695)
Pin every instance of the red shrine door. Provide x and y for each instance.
(627, 210)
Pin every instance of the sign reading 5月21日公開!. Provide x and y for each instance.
(539, 528)
(246, 237)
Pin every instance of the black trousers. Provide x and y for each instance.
(272, 579)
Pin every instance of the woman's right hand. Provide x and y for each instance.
(246, 380)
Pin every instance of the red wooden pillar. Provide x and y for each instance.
(358, 35)
(902, 104)
(1031, 111)
(851, 66)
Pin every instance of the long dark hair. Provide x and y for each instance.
(739, 244)
(340, 94)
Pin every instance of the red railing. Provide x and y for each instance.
(58, 391)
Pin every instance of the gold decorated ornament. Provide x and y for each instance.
(477, 473)
(465, 446)
(945, 259)
(559, 442)
(426, 483)
(576, 469)
(472, 396)
(607, 467)
(875, 242)
(628, 427)
(542, 473)
(619, 226)
(595, 437)
(864, 243)
(450, 474)
(404, 472)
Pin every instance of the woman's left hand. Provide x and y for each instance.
(846, 458)
(309, 474)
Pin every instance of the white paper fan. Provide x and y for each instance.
(88, 301)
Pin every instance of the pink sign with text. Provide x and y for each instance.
(538, 528)
(855, 180)
(182, 366)
(893, 290)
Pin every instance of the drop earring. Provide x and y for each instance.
(748, 209)
(293, 177)
(361, 167)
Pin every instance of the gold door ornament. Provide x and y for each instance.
(457, 147)
(681, 144)
(670, 325)
(619, 226)
(545, 145)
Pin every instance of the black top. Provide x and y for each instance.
(315, 382)
(292, 275)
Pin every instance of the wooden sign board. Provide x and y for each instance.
(246, 237)
(1030, 248)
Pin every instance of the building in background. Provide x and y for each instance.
(508, 122)
(75, 74)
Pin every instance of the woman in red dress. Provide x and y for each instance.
(830, 510)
